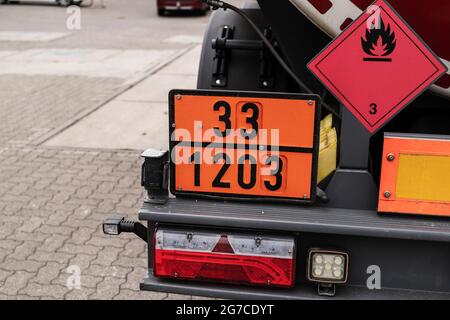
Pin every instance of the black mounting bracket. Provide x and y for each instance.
(220, 69)
(155, 175)
(326, 289)
(224, 44)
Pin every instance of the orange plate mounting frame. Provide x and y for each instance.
(395, 145)
(299, 138)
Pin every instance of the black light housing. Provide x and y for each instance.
(115, 225)
(111, 225)
(327, 266)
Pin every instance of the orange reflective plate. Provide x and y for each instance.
(415, 175)
(244, 145)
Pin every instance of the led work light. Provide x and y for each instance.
(327, 266)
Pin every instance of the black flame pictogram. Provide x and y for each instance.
(379, 42)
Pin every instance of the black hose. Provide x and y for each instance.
(220, 4)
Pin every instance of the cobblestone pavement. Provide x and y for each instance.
(53, 199)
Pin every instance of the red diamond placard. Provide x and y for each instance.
(377, 66)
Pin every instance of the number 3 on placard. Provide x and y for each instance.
(225, 108)
(373, 108)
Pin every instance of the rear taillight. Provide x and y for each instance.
(224, 257)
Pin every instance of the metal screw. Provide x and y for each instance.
(218, 81)
(387, 194)
(258, 242)
(310, 102)
(178, 97)
(265, 83)
(173, 125)
(390, 157)
(261, 148)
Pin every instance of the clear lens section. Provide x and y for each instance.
(241, 244)
(262, 246)
(112, 229)
(328, 266)
(182, 240)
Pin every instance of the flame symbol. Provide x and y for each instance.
(380, 41)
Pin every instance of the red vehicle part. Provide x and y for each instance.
(228, 258)
(174, 5)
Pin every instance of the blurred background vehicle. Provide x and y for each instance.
(64, 3)
(163, 6)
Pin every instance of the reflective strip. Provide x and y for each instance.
(423, 177)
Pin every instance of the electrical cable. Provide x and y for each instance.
(215, 4)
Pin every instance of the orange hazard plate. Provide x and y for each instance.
(244, 145)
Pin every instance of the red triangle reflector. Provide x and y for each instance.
(223, 245)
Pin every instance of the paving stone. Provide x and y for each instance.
(4, 274)
(108, 271)
(54, 242)
(4, 253)
(15, 282)
(47, 290)
(76, 249)
(9, 244)
(82, 260)
(79, 294)
(59, 257)
(62, 230)
(134, 278)
(107, 241)
(26, 249)
(135, 248)
(88, 281)
(21, 265)
(48, 273)
(107, 256)
(31, 225)
(108, 288)
(77, 223)
(82, 212)
(25, 236)
(126, 294)
(20, 297)
(81, 236)
(131, 262)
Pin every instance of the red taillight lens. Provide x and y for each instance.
(242, 259)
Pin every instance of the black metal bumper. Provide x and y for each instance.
(294, 218)
(412, 252)
(306, 292)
